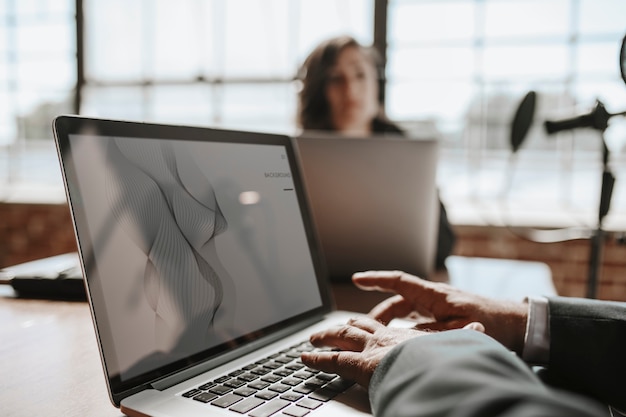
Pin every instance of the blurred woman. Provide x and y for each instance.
(340, 89)
(341, 86)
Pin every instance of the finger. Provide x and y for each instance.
(443, 325)
(348, 365)
(368, 324)
(391, 308)
(392, 281)
(344, 337)
(371, 280)
(479, 327)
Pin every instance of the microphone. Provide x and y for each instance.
(598, 119)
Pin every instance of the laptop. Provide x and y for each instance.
(201, 269)
(374, 201)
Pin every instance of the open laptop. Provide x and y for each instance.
(201, 268)
(374, 201)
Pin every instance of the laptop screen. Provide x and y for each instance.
(193, 240)
(395, 226)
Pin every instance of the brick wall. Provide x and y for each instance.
(32, 231)
(568, 261)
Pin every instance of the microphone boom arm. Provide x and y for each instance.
(597, 119)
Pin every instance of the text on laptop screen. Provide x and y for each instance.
(185, 250)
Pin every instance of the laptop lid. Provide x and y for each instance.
(374, 201)
(195, 244)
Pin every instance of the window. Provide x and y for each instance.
(225, 63)
(455, 68)
(461, 67)
(37, 77)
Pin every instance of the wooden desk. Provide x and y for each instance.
(49, 360)
(50, 365)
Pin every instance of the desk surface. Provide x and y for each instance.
(51, 366)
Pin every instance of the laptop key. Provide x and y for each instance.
(259, 384)
(309, 403)
(291, 381)
(261, 370)
(283, 372)
(205, 397)
(326, 377)
(191, 393)
(323, 394)
(303, 375)
(291, 396)
(318, 383)
(304, 347)
(235, 383)
(271, 378)
(270, 408)
(305, 389)
(220, 390)
(340, 385)
(227, 400)
(245, 391)
(207, 385)
(247, 405)
(295, 411)
(266, 395)
(279, 388)
(248, 377)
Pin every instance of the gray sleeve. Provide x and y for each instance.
(464, 373)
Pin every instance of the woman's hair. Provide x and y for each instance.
(313, 107)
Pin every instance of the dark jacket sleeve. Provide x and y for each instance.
(464, 373)
(588, 348)
(446, 237)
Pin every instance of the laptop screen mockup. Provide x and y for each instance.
(181, 231)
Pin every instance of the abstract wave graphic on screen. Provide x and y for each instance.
(169, 210)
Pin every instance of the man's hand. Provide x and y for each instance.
(438, 306)
(361, 344)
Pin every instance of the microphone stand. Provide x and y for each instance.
(597, 240)
(598, 119)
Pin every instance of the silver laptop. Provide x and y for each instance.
(201, 269)
(374, 201)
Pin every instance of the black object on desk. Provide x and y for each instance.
(56, 277)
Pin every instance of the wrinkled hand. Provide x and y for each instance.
(362, 344)
(438, 306)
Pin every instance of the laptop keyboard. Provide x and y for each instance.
(279, 384)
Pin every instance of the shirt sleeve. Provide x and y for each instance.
(537, 339)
